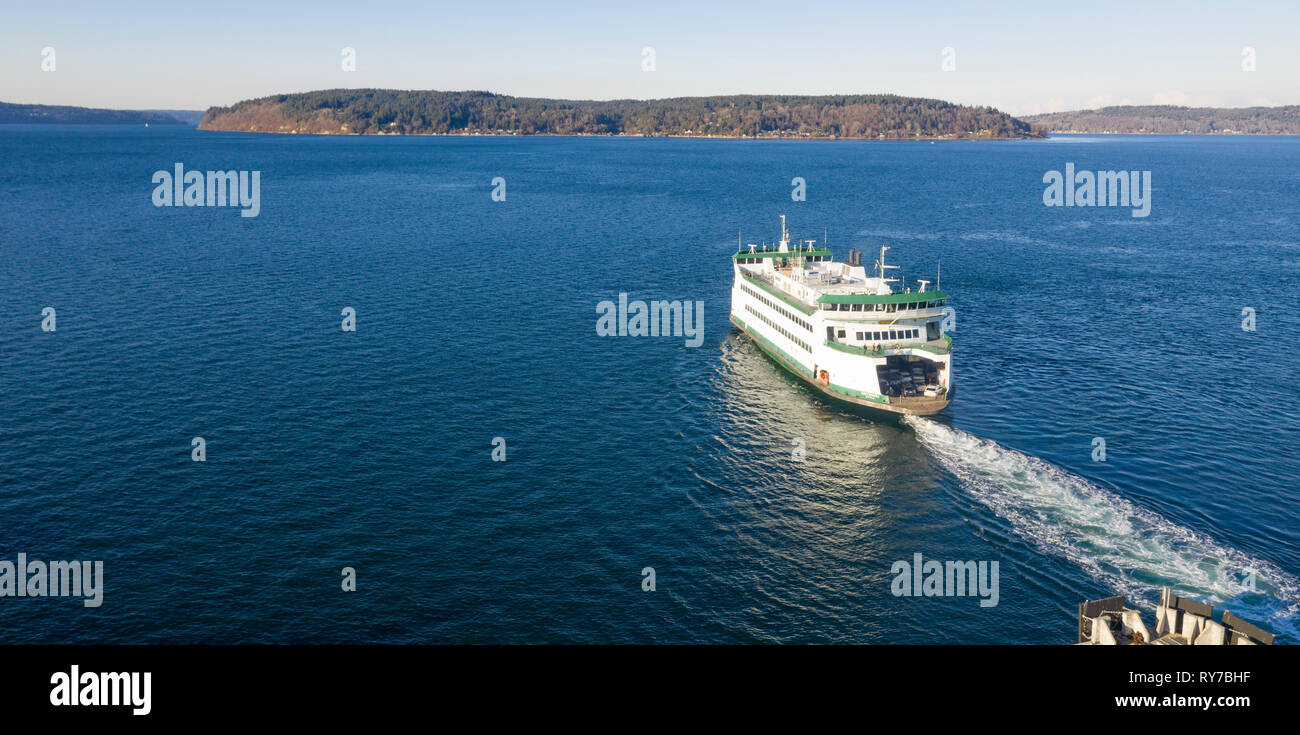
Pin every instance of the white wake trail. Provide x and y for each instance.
(1131, 549)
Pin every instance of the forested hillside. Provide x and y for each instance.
(378, 111)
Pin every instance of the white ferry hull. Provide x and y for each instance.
(896, 405)
(847, 335)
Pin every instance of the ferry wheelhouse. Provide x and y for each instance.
(847, 334)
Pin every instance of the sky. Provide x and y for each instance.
(1020, 57)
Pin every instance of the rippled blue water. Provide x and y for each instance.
(372, 449)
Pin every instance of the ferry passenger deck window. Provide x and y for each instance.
(840, 334)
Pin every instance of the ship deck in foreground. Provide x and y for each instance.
(845, 333)
(1179, 622)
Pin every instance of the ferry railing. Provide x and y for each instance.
(943, 348)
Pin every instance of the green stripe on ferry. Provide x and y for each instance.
(938, 349)
(853, 350)
(859, 394)
(890, 298)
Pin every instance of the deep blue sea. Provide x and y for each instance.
(476, 319)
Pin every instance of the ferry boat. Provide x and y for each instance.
(845, 333)
(1179, 622)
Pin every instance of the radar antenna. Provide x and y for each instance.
(881, 266)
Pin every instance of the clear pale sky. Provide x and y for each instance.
(1021, 57)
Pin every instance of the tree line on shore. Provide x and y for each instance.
(1174, 120)
(377, 111)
